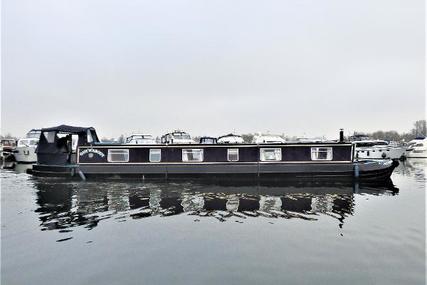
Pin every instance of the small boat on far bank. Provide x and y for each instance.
(140, 139)
(208, 140)
(25, 151)
(417, 148)
(6, 148)
(177, 137)
(378, 149)
(230, 139)
(33, 134)
(265, 139)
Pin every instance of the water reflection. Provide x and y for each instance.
(63, 204)
(414, 167)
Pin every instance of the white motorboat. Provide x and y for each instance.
(268, 139)
(25, 150)
(377, 149)
(34, 133)
(177, 137)
(417, 148)
(230, 139)
(140, 139)
(311, 140)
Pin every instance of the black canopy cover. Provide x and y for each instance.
(59, 150)
(68, 129)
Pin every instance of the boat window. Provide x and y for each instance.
(233, 154)
(419, 145)
(270, 154)
(155, 155)
(27, 142)
(118, 155)
(7, 143)
(321, 153)
(181, 136)
(23, 143)
(50, 136)
(89, 136)
(193, 155)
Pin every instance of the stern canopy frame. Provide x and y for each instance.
(55, 150)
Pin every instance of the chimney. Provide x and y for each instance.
(341, 135)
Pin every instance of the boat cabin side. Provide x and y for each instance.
(204, 153)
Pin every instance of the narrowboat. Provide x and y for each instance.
(288, 161)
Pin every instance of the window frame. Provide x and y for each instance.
(314, 151)
(112, 150)
(263, 150)
(187, 150)
(152, 150)
(228, 154)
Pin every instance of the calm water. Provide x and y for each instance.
(58, 232)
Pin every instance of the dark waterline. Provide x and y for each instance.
(64, 232)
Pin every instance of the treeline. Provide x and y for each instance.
(419, 130)
(8, 136)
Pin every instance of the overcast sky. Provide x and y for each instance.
(299, 67)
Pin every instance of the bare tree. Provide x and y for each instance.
(121, 139)
(419, 129)
(247, 138)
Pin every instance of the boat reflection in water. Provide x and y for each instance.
(414, 167)
(63, 204)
